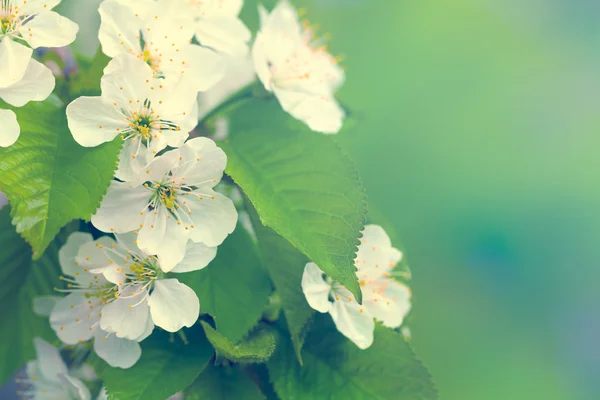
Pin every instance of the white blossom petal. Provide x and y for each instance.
(75, 388)
(204, 68)
(225, 34)
(118, 353)
(15, 60)
(375, 256)
(49, 361)
(44, 305)
(35, 6)
(315, 288)
(197, 256)
(127, 316)
(202, 163)
(389, 306)
(321, 113)
(163, 236)
(93, 122)
(119, 29)
(214, 217)
(72, 318)
(10, 128)
(173, 305)
(127, 80)
(36, 85)
(353, 321)
(67, 255)
(49, 29)
(122, 208)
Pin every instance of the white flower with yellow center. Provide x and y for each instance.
(144, 296)
(27, 25)
(384, 299)
(160, 34)
(48, 377)
(297, 68)
(76, 317)
(176, 203)
(36, 85)
(147, 113)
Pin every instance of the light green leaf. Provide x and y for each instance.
(49, 179)
(225, 383)
(165, 368)
(302, 185)
(335, 369)
(286, 266)
(234, 288)
(257, 347)
(21, 280)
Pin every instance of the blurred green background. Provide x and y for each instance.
(478, 138)
(478, 135)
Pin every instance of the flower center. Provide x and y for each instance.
(152, 60)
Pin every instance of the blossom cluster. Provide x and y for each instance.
(171, 61)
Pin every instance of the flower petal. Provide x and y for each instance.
(72, 318)
(93, 122)
(165, 237)
(36, 85)
(173, 305)
(224, 34)
(202, 70)
(127, 80)
(375, 256)
(122, 208)
(49, 361)
(44, 305)
(119, 29)
(49, 29)
(356, 325)
(127, 316)
(15, 60)
(315, 288)
(118, 353)
(10, 128)
(197, 256)
(67, 255)
(202, 163)
(320, 112)
(35, 6)
(213, 215)
(391, 305)
(74, 388)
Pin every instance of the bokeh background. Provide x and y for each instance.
(477, 136)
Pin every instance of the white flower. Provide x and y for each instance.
(36, 85)
(293, 65)
(219, 27)
(159, 33)
(76, 317)
(145, 297)
(146, 112)
(176, 203)
(49, 378)
(384, 299)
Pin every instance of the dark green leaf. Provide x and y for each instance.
(225, 383)
(49, 179)
(302, 185)
(335, 369)
(165, 368)
(257, 347)
(286, 265)
(21, 280)
(234, 288)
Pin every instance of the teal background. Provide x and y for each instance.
(477, 136)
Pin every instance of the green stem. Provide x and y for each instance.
(242, 94)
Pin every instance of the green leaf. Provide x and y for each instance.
(286, 266)
(87, 81)
(21, 280)
(225, 383)
(49, 179)
(255, 348)
(334, 368)
(165, 368)
(234, 288)
(302, 185)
